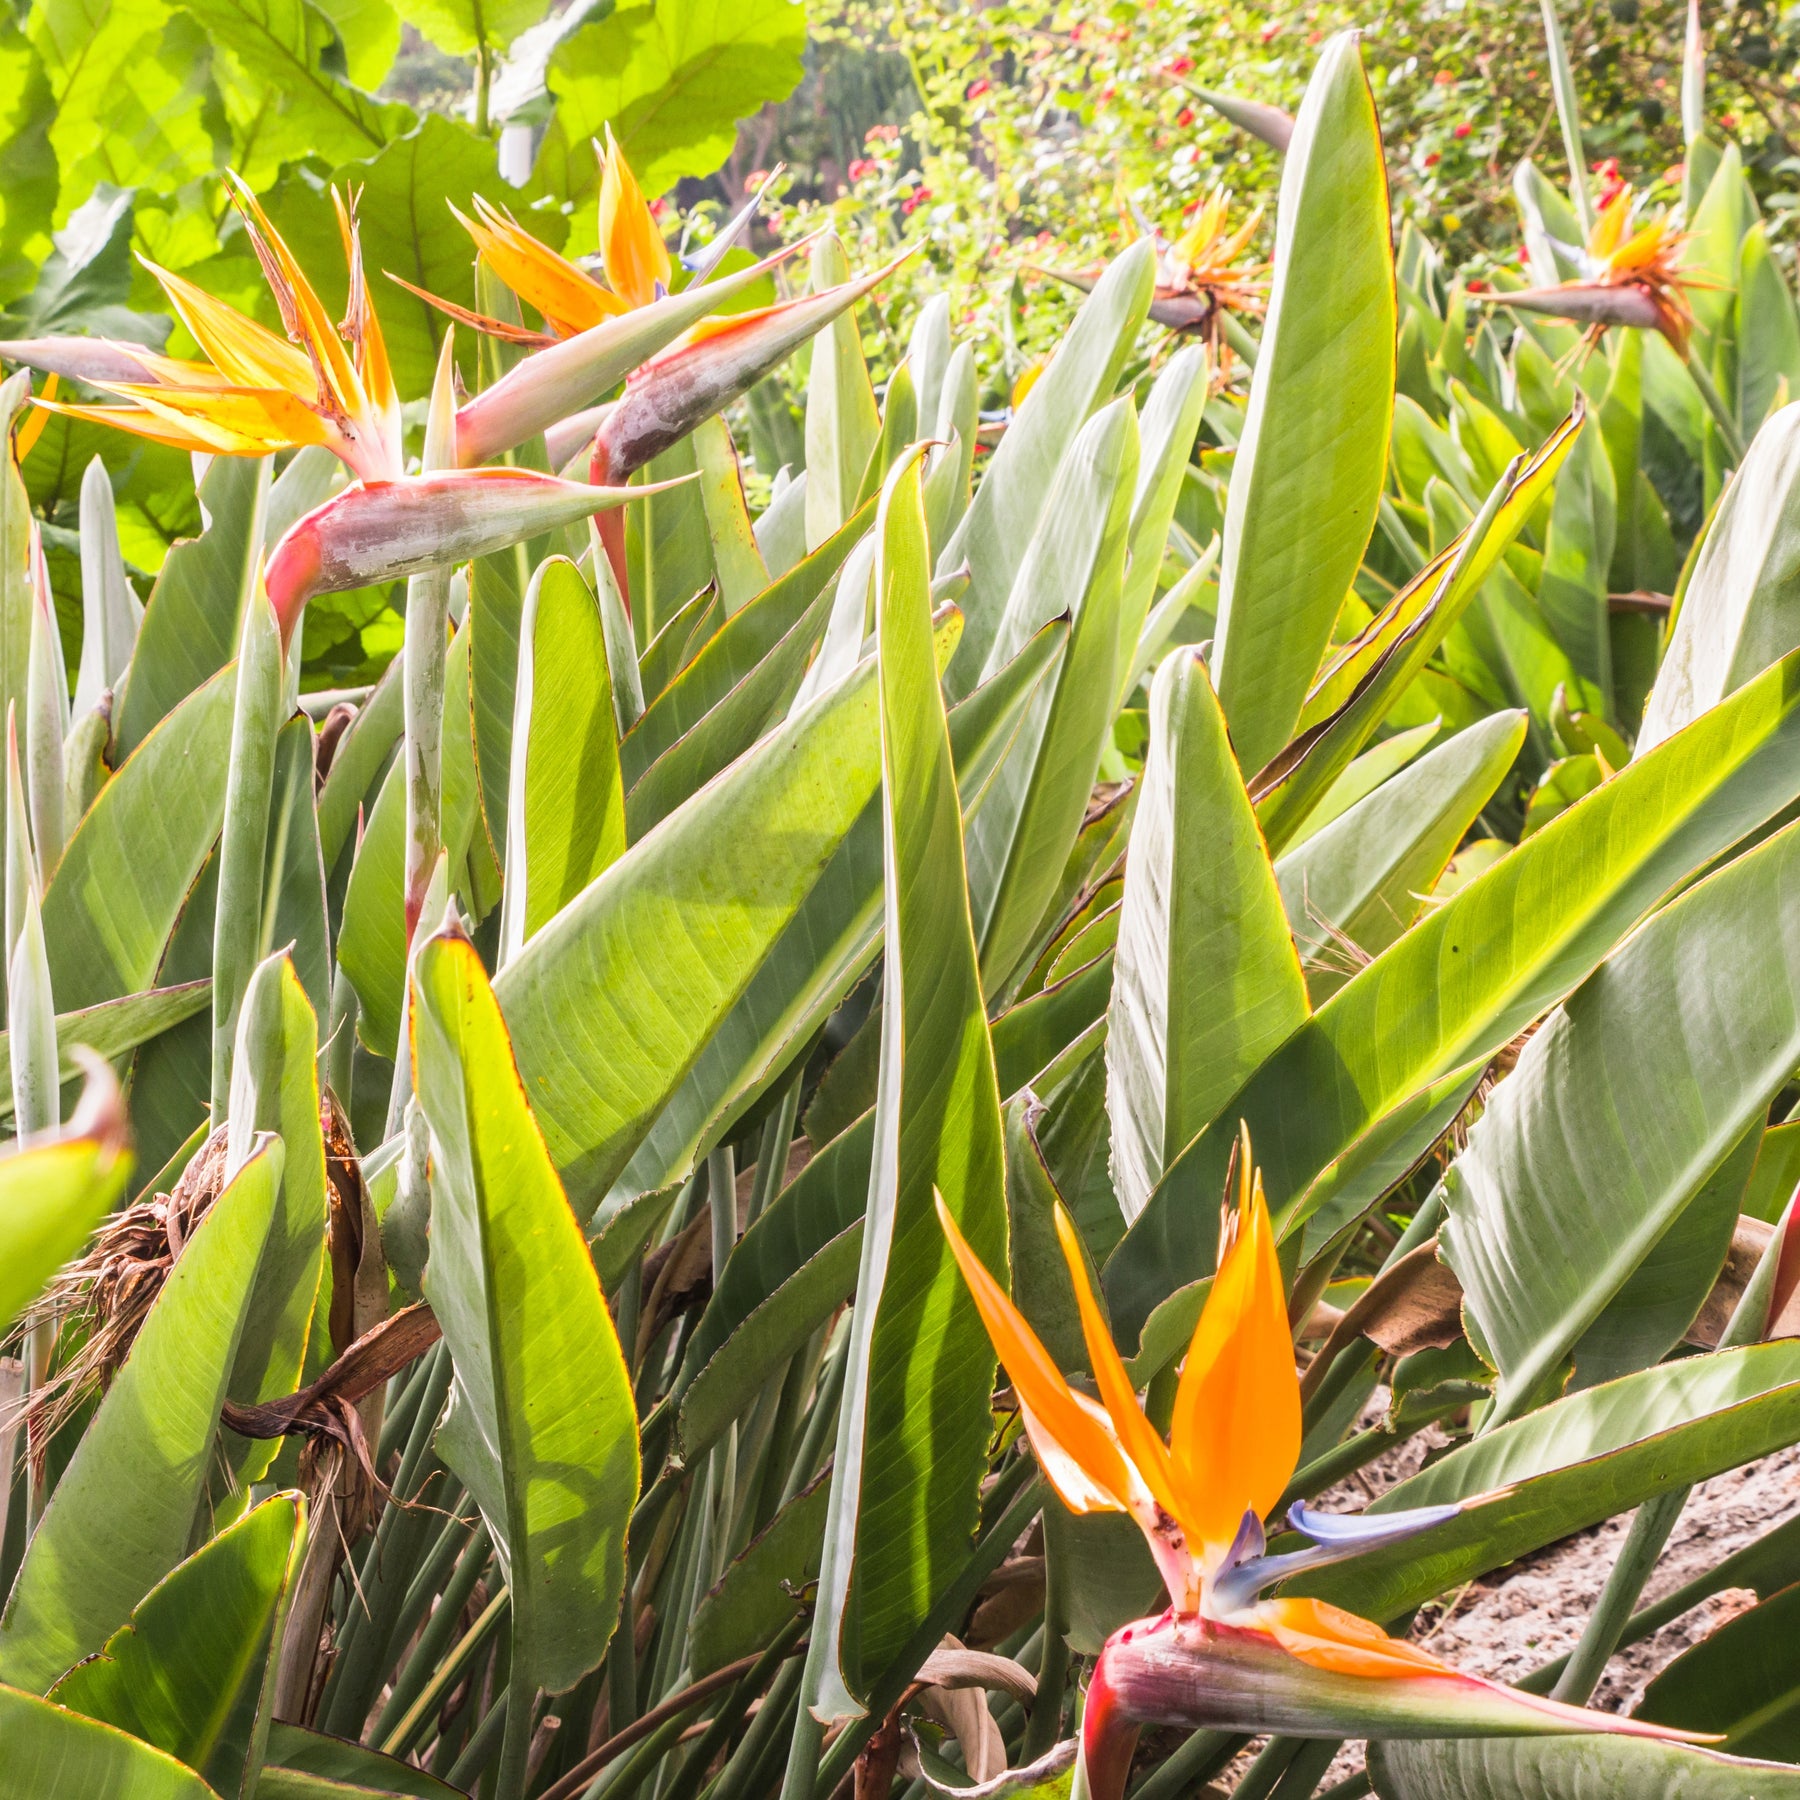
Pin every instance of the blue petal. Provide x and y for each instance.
(1355, 1531)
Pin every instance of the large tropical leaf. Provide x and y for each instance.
(1572, 1768)
(913, 1431)
(53, 1754)
(1474, 972)
(1621, 1106)
(1205, 979)
(1310, 463)
(123, 1513)
(190, 1671)
(541, 1426)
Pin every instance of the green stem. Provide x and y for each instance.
(1269, 1767)
(410, 1679)
(470, 1766)
(1191, 1767)
(1042, 1730)
(772, 1153)
(515, 1748)
(1715, 404)
(1644, 1540)
(1310, 1763)
(400, 1740)
(742, 1773)
(700, 1758)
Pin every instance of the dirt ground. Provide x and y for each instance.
(1515, 1618)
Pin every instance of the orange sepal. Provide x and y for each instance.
(1326, 1637)
(569, 299)
(631, 244)
(1138, 1438)
(1074, 1429)
(1236, 1430)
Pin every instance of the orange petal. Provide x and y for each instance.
(141, 422)
(1137, 1437)
(1236, 1432)
(265, 417)
(631, 245)
(1054, 1414)
(243, 353)
(1609, 228)
(1326, 1637)
(569, 298)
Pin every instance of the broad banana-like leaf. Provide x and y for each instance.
(738, 566)
(1741, 607)
(360, 757)
(913, 1429)
(729, 729)
(311, 1765)
(680, 632)
(1359, 880)
(842, 424)
(1357, 689)
(129, 865)
(1739, 1682)
(195, 613)
(1310, 463)
(1003, 517)
(1571, 1464)
(715, 661)
(249, 787)
(53, 1193)
(1578, 548)
(16, 529)
(899, 431)
(755, 1597)
(1572, 1768)
(1379, 763)
(566, 811)
(541, 1426)
(191, 1671)
(1470, 975)
(122, 1515)
(603, 1038)
(1766, 330)
(1623, 1103)
(831, 938)
(296, 911)
(113, 1028)
(1716, 228)
(1021, 837)
(1206, 981)
(53, 1754)
(1168, 427)
(275, 1087)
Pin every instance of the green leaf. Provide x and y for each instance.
(1470, 975)
(275, 1087)
(830, 940)
(123, 1513)
(1361, 877)
(272, 62)
(130, 85)
(52, 1194)
(191, 1671)
(1578, 552)
(737, 563)
(541, 1426)
(1206, 982)
(1738, 1682)
(1573, 1463)
(407, 185)
(791, 1270)
(1571, 1768)
(729, 729)
(1309, 466)
(1027, 824)
(362, 754)
(52, 1754)
(913, 1430)
(1003, 518)
(734, 651)
(604, 1038)
(1741, 607)
(755, 1597)
(131, 862)
(672, 78)
(842, 424)
(566, 812)
(113, 1028)
(194, 616)
(304, 1765)
(1767, 329)
(470, 27)
(28, 172)
(1621, 1106)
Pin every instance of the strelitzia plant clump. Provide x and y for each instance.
(679, 1134)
